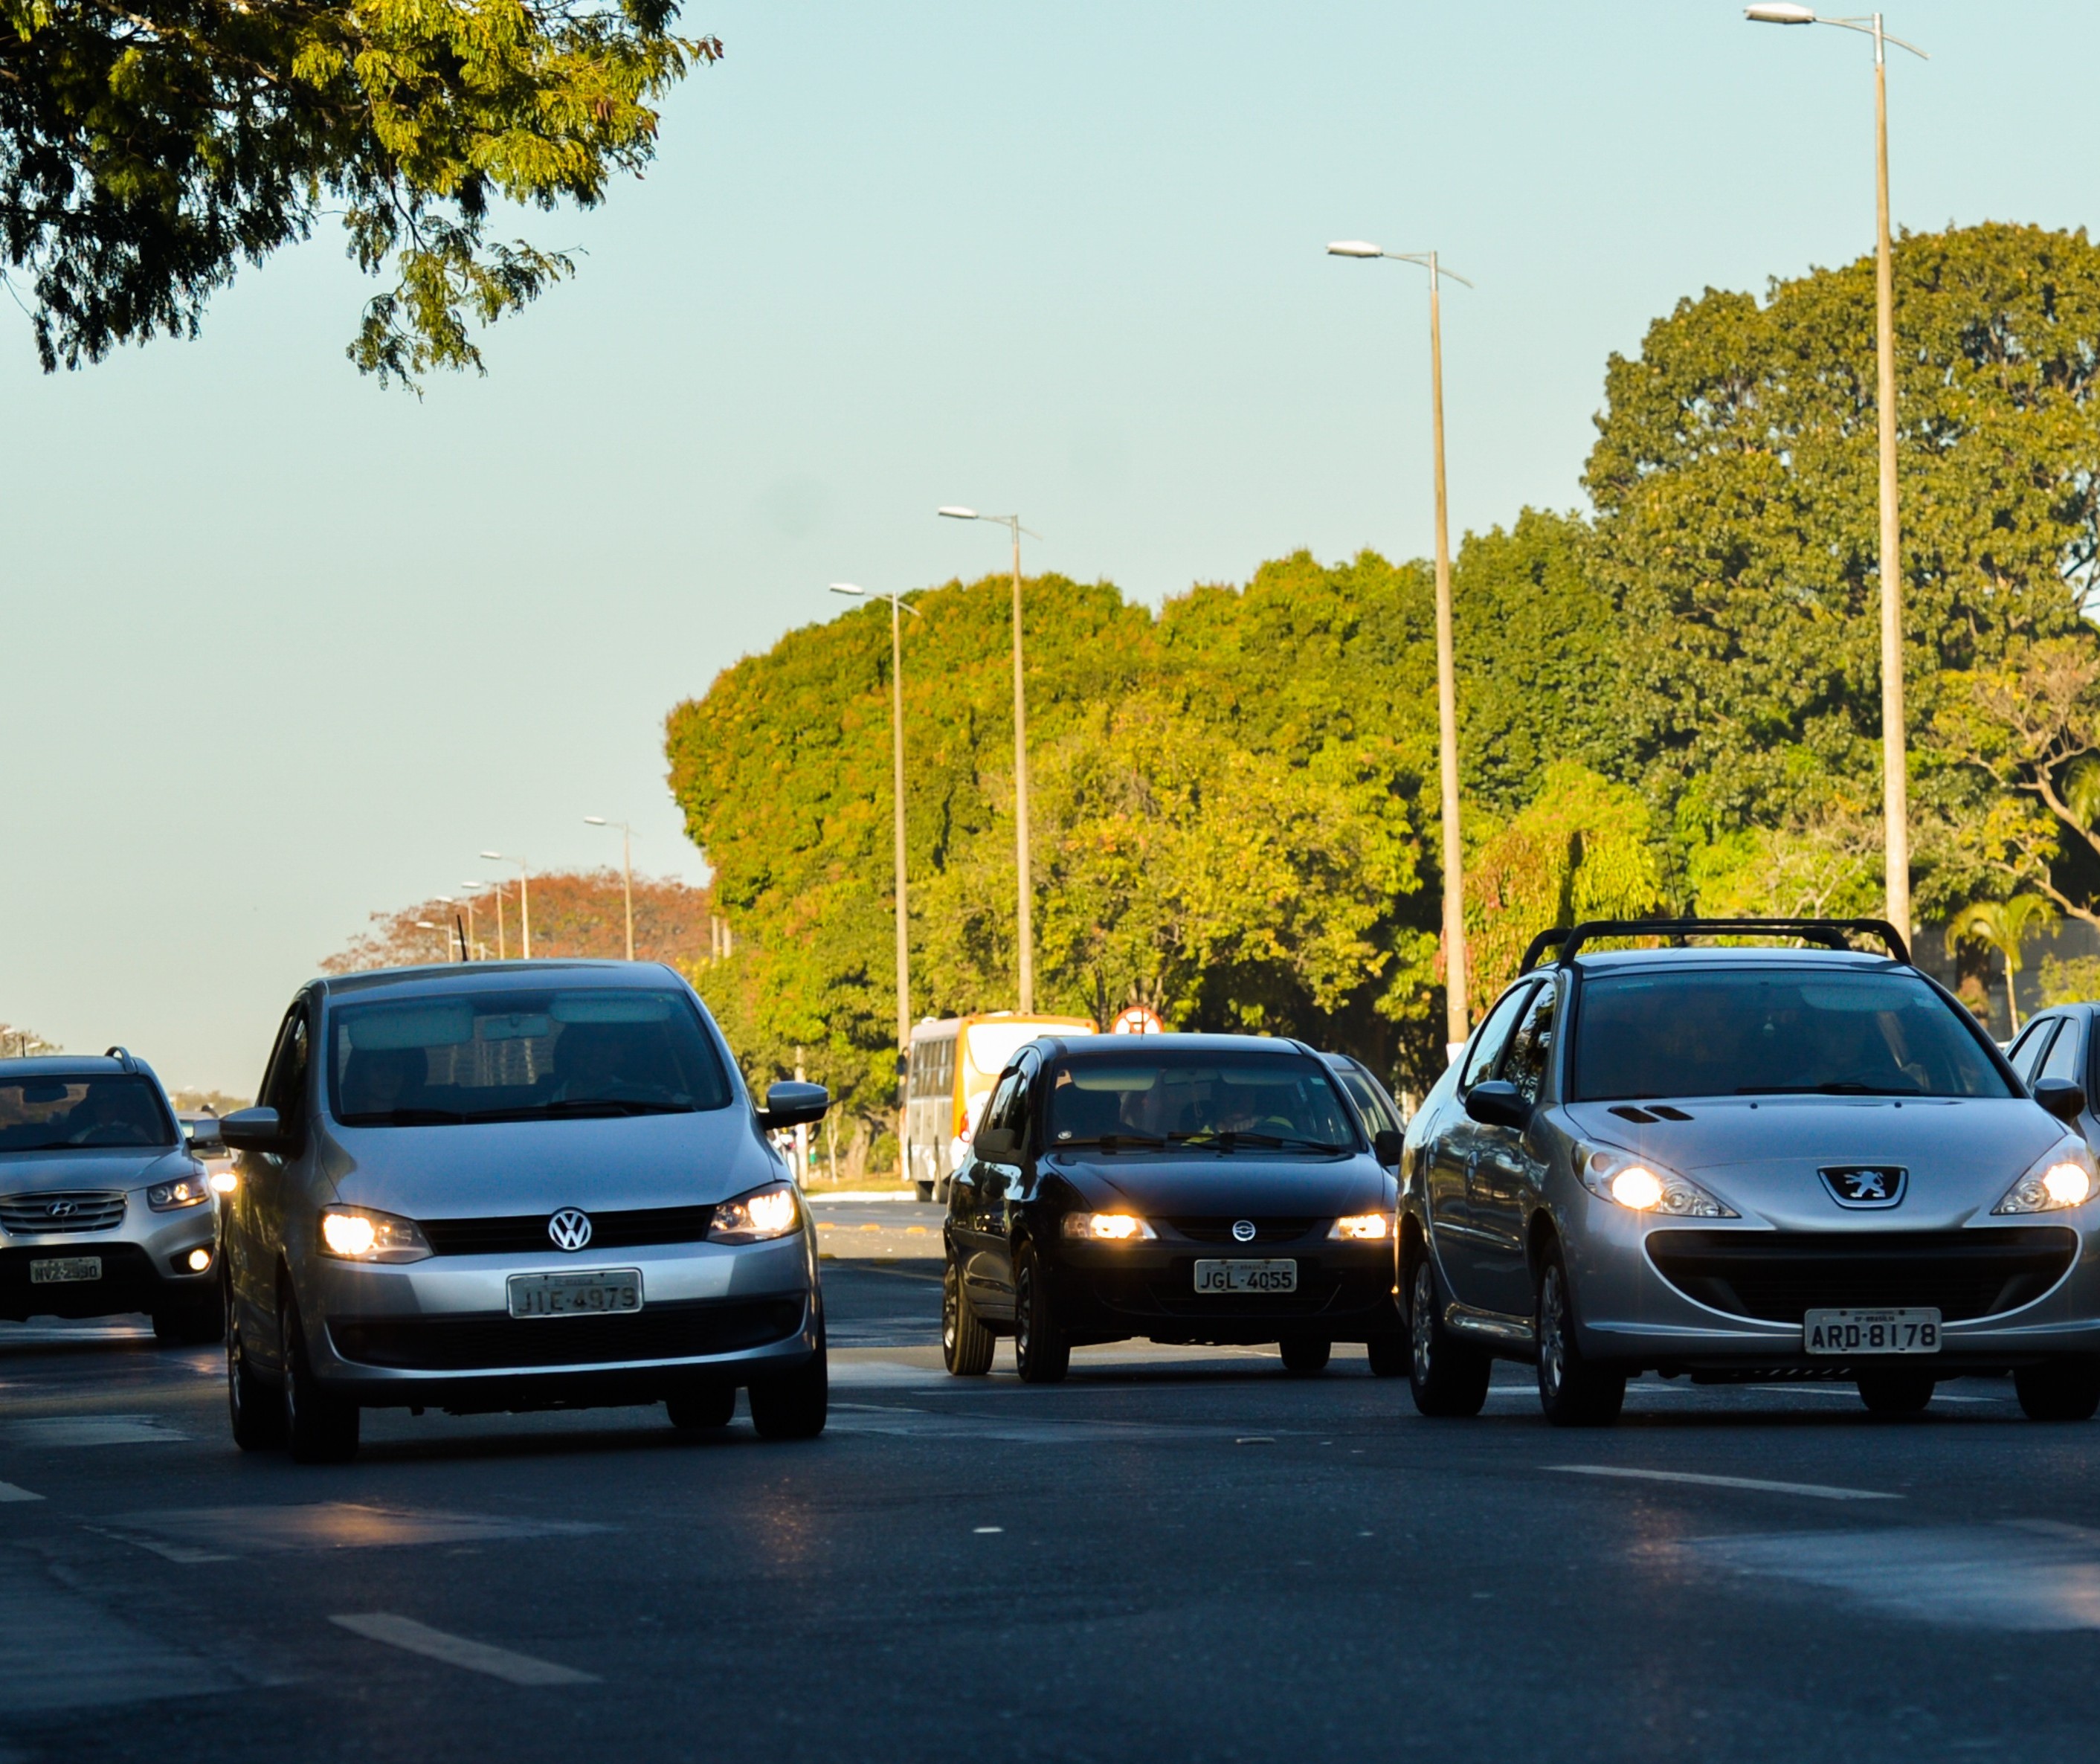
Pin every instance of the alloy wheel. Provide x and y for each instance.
(1422, 1318)
(1552, 1332)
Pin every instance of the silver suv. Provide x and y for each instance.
(103, 1209)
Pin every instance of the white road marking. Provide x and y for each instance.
(91, 1430)
(335, 1525)
(414, 1637)
(1815, 1490)
(186, 1554)
(988, 1531)
(9, 1492)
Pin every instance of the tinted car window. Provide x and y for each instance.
(1494, 1034)
(1529, 1047)
(1366, 1096)
(1706, 1032)
(1193, 1097)
(2062, 1060)
(57, 1113)
(2027, 1050)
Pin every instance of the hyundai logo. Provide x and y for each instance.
(1243, 1230)
(62, 1208)
(569, 1228)
(1865, 1185)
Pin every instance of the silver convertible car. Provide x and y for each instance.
(1744, 1163)
(514, 1186)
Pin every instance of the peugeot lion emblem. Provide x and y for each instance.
(569, 1228)
(1865, 1185)
(61, 1209)
(1243, 1229)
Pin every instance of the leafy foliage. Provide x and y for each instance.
(574, 913)
(2003, 926)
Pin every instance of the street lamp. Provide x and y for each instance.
(496, 889)
(426, 924)
(1026, 928)
(1457, 1015)
(465, 936)
(524, 902)
(626, 870)
(1895, 767)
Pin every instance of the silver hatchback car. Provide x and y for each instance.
(495, 1187)
(1740, 1163)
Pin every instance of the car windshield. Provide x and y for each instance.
(61, 1113)
(1227, 1102)
(436, 1060)
(1761, 1031)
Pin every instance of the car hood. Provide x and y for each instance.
(107, 1169)
(1761, 1155)
(494, 1169)
(1232, 1185)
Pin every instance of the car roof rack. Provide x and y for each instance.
(1832, 933)
(122, 1057)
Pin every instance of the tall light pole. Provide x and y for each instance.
(466, 938)
(1458, 1017)
(626, 870)
(1895, 765)
(524, 902)
(496, 888)
(1026, 928)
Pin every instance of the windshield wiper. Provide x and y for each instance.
(1842, 1087)
(1110, 1142)
(405, 1118)
(577, 1107)
(1230, 1138)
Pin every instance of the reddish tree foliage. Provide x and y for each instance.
(573, 913)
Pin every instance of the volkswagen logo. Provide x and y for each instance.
(1865, 1185)
(62, 1208)
(1243, 1230)
(569, 1228)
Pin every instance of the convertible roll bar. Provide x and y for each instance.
(1832, 933)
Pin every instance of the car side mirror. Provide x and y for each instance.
(792, 1104)
(1386, 1146)
(252, 1129)
(1497, 1104)
(2061, 1097)
(998, 1143)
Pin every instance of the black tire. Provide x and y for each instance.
(320, 1427)
(253, 1404)
(2060, 1390)
(793, 1405)
(1574, 1392)
(1387, 1355)
(1896, 1392)
(192, 1325)
(1448, 1378)
(1305, 1355)
(966, 1344)
(1042, 1351)
(702, 1406)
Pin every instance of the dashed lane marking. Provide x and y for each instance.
(414, 1637)
(1814, 1490)
(9, 1492)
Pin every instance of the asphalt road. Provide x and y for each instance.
(1180, 1553)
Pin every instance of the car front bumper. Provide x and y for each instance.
(1113, 1292)
(145, 1266)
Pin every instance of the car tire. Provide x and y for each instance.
(966, 1344)
(2060, 1390)
(1448, 1378)
(1573, 1390)
(254, 1404)
(1893, 1392)
(1387, 1355)
(701, 1407)
(193, 1324)
(1305, 1355)
(925, 1190)
(320, 1427)
(1042, 1352)
(794, 1404)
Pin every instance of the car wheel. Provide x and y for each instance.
(925, 1190)
(1305, 1355)
(1572, 1391)
(2060, 1390)
(966, 1344)
(192, 1325)
(1041, 1352)
(1896, 1393)
(253, 1403)
(702, 1406)
(794, 1405)
(1388, 1355)
(319, 1426)
(1447, 1376)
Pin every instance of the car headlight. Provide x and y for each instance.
(1107, 1227)
(223, 1181)
(2062, 1176)
(755, 1218)
(184, 1190)
(1363, 1227)
(358, 1234)
(1642, 1185)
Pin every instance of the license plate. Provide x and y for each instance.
(595, 1294)
(1246, 1276)
(1911, 1331)
(68, 1268)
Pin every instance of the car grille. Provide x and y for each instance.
(675, 1331)
(527, 1232)
(1265, 1230)
(23, 1216)
(1777, 1276)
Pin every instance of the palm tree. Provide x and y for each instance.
(2004, 926)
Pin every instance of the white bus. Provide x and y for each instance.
(954, 1062)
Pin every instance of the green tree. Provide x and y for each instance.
(2003, 926)
(147, 150)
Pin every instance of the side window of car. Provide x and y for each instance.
(2062, 1060)
(284, 1085)
(1493, 1037)
(1531, 1045)
(2027, 1050)
(1024, 1091)
(1004, 1107)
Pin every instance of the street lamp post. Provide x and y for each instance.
(497, 889)
(524, 900)
(1026, 929)
(466, 943)
(1457, 1013)
(1895, 765)
(626, 870)
(431, 924)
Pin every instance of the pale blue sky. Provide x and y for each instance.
(280, 648)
